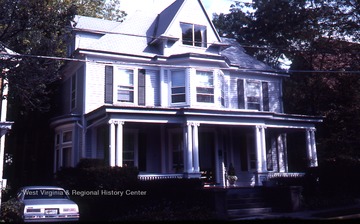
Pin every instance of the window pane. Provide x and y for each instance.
(66, 157)
(200, 35)
(205, 90)
(187, 33)
(253, 94)
(125, 89)
(177, 78)
(178, 98)
(205, 98)
(205, 87)
(178, 87)
(67, 136)
(126, 77)
(125, 94)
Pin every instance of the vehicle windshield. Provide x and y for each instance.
(45, 194)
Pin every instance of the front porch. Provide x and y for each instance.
(263, 179)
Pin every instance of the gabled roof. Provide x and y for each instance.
(167, 16)
(136, 34)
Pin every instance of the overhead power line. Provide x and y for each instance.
(172, 66)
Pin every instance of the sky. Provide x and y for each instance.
(211, 6)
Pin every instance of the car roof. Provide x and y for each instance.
(34, 187)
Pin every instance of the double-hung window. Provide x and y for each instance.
(193, 35)
(178, 87)
(253, 94)
(125, 87)
(204, 87)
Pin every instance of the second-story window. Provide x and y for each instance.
(125, 85)
(204, 87)
(193, 35)
(178, 87)
(253, 94)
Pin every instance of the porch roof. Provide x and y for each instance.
(203, 116)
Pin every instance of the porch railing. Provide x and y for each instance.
(292, 175)
(147, 177)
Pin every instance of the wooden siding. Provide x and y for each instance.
(95, 86)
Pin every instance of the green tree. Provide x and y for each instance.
(319, 38)
(36, 30)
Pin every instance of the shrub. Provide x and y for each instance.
(10, 211)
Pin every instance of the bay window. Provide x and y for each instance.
(178, 87)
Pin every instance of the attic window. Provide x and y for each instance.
(193, 35)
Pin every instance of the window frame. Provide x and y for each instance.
(207, 96)
(195, 39)
(183, 91)
(121, 86)
(260, 99)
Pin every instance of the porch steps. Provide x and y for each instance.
(246, 202)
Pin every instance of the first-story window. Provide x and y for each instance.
(178, 87)
(63, 150)
(177, 152)
(129, 150)
(204, 87)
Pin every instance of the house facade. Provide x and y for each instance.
(162, 91)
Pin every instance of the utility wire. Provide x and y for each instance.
(174, 66)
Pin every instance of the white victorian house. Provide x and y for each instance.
(164, 92)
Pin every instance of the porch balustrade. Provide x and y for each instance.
(147, 177)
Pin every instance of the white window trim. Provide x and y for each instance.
(115, 85)
(170, 73)
(261, 94)
(204, 39)
(213, 87)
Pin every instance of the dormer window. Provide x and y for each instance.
(193, 35)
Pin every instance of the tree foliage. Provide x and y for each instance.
(35, 31)
(321, 39)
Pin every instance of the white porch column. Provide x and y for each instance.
(263, 149)
(258, 149)
(314, 151)
(112, 144)
(196, 147)
(311, 147)
(119, 143)
(189, 159)
(281, 153)
(308, 147)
